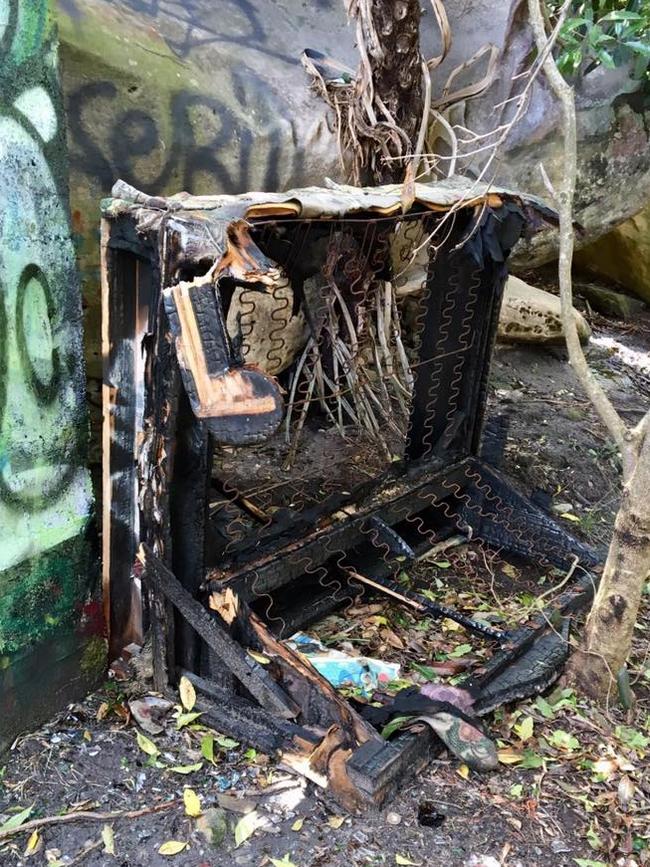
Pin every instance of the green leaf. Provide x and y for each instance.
(622, 15)
(186, 769)
(516, 790)
(207, 747)
(639, 47)
(524, 730)
(631, 737)
(147, 746)
(395, 724)
(442, 564)
(425, 671)
(587, 862)
(544, 708)
(247, 826)
(17, 820)
(564, 741)
(226, 743)
(285, 862)
(184, 719)
(461, 650)
(531, 760)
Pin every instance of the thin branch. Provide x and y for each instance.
(564, 202)
(87, 816)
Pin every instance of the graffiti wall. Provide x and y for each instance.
(189, 95)
(45, 503)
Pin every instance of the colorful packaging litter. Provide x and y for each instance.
(343, 670)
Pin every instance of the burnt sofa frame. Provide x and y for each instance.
(160, 570)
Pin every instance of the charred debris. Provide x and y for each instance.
(294, 395)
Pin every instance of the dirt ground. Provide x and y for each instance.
(572, 787)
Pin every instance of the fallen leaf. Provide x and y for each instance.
(524, 730)
(335, 822)
(461, 650)
(149, 711)
(564, 740)
(186, 769)
(605, 767)
(234, 804)
(172, 847)
(448, 667)
(226, 743)
(187, 693)
(509, 570)
(406, 862)
(569, 517)
(108, 838)
(192, 803)
(184, 719)
(508, 756)
(102, 710)
(259, 657)
(463, 771)
(32, 844)
(625, 792)
(395, 724)
(207, 747)
(17, 820)
(297, 825)
(392, 638)
(247, 826)
(146, 745)
(285, 862)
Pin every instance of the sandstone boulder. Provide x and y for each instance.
(622, 255)
(531, 315)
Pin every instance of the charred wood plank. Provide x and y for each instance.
(240, 404)
(188, 515)
(319, 702)
(378, 768)
(284, 563)
(248, 672)
(239, 718)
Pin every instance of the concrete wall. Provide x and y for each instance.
(50, 643)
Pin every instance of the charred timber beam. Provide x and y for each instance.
(241, 719)
(247, 671)
(344, 532)
(320, 704)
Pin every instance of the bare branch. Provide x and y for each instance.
(564, 202)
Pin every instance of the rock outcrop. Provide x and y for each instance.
(531, 315)
(623, 255)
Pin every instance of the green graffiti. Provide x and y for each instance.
(44, 487)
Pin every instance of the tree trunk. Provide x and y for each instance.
(396, 64)
(610, 626)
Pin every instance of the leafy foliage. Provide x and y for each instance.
(607, 33)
